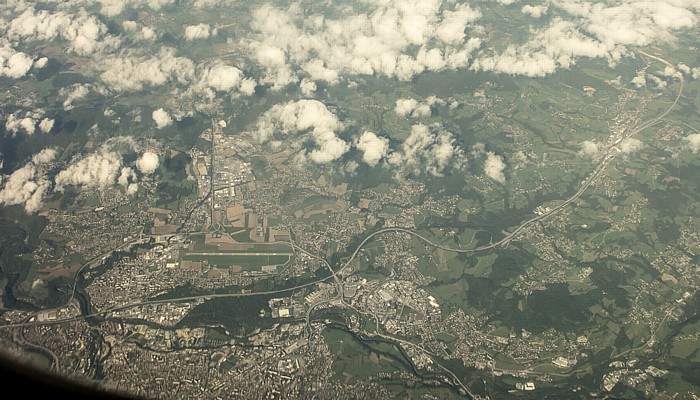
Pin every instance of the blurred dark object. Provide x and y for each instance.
(19, 377)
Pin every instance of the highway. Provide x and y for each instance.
(610, 154)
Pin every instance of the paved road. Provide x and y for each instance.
(609, 156)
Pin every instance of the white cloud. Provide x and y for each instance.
(630, 145)
(23, 187)
(111, 8)
(28, 185)
(161, 118)
(373, 148)
(693, 142)
(549, 49)
(46, 125)
(97, 170)
(640, 80)
(695, 72)
(129, 71)
(454, 23)
(75, 92)
(589, 149)
(14, 64)
(319, 72)
(303, 116)
(632, 22)
(222, 77)
(404, 107)
(307, 87)
(132, 189)
(414, 108)
(125, 176)
(394, 38)
(41, 63)
(28, 124)
(144, 33)
(147, 33)
(592, 30)
(23, 121)
(660, 83)
(684, 69)
(85, 33)
(248, 86)
(200, 31)
(672, 72)
(147, 163)
(428, 149)
(534, 11)
(494, 166)
(130, 26)
(44, 156)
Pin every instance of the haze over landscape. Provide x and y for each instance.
(363, 199)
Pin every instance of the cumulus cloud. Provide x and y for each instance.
(41, 63)
(554, 47)
(142, 33)
(307, 87)
(25, 121)
(225, 78)
(161, 118)
(111, 8)
(632, 22)
(373, 148)
(75, 92)
(96, 170)
(693, 141)
(46, 125)
(14, 64)
(592, 30)
(404, 107)
(130, 71)
(640, 80)
(45, 156)
(130, 26)
(630, 145)
(304, 116)
(659, 83)
(534, 11)
(105, 167)
(127, 179)
(695, 72)
(147, 33)
(671, 72)
(27, 186)
(589, 149)
(428, 149)
(413, 108)
(29, 125)
(147, 163)
(494, 166)
(318, 71)
(395, 38)
(84, 33)
(454, 23)
(200, 31)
